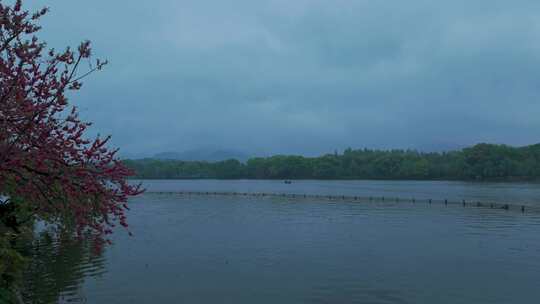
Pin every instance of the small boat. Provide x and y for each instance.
(287, 182)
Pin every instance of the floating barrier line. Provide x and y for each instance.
(396, 200)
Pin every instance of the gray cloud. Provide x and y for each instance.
(307, 76)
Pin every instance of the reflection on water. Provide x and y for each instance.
(59, 267)
(217, 249)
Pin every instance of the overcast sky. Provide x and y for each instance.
(306, 76)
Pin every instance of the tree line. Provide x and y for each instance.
(479, 162)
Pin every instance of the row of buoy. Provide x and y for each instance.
(413, 200)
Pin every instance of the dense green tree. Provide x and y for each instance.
(480, 162)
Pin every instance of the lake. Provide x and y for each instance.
(236, 249)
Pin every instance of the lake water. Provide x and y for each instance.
(512, 193)
(228, 249)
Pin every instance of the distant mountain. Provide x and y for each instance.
(203, 155)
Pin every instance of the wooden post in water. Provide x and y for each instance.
(445, 202)
(523, 209)
(464, 203)
(430, 201)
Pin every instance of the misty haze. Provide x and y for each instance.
(269, 151)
